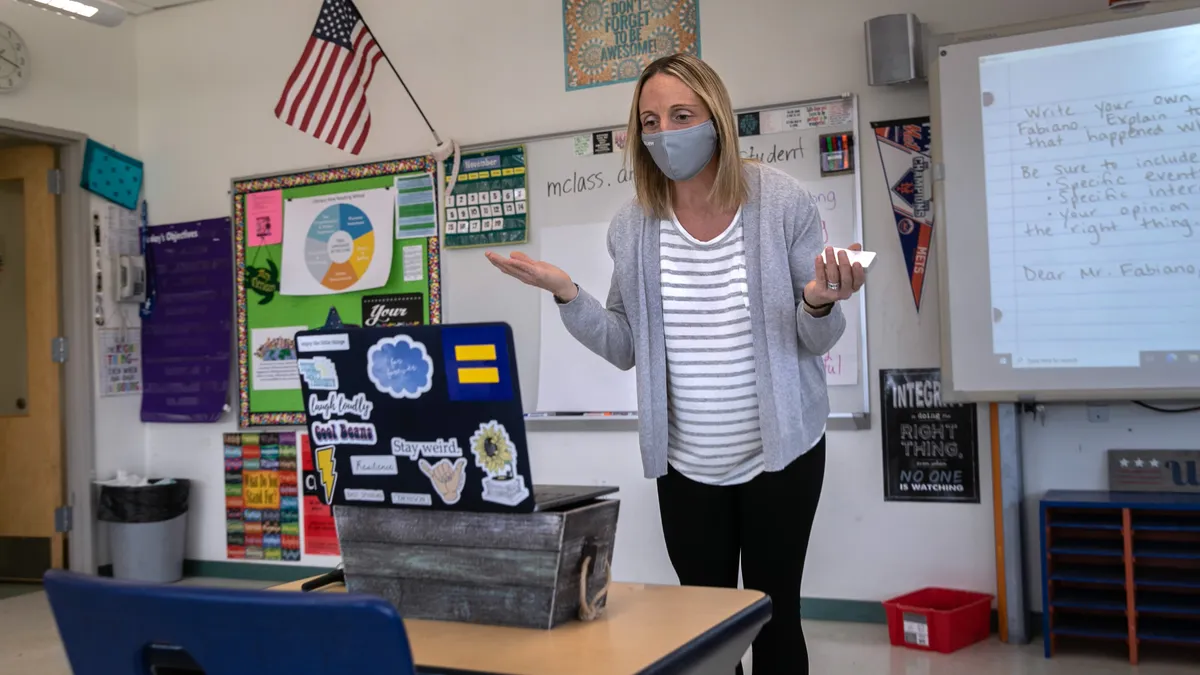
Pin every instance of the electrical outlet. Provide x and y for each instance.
(1097, 413)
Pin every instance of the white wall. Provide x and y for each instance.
(83, 79)
(492, 71)
(82, 76)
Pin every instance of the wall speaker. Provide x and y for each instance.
(894, 54)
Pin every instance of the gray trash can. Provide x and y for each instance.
(147, 529)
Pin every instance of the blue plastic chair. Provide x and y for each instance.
(119, 628)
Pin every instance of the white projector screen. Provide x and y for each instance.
(1071, 164)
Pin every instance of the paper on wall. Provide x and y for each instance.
(337, 243)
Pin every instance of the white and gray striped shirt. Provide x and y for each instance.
(714, 435)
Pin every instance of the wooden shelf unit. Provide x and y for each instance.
(1120, 567)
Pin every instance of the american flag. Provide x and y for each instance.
(326, 95)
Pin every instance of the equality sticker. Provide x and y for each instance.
(496, 454)
(400, 367)
(477, 363)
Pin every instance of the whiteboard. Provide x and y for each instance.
(573, 194)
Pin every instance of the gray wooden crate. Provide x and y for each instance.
(500, 569)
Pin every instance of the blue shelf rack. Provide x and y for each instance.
(1120, 566)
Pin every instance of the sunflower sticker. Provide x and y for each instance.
(496, 454)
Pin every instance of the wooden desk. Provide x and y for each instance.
(646, 630)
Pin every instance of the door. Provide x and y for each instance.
(31, 437)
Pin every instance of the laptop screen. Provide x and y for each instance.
(416, 417)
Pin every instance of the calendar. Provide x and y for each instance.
(489, 204)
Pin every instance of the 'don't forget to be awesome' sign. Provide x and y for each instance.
(610, 41)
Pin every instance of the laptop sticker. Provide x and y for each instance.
(326, 470)
(477, 364)
(446, 478)
(496, 454)
(341, 432)
(415, 449)
(400, 367)
(411, 499)
(373, 465)
(362, 495)
(319, 373)
(336, 404)
(338, 342)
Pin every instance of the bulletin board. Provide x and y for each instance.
(287, 215)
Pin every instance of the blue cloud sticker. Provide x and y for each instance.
(400, 367)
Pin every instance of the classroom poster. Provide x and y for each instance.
(120, 362)
(930, 448)
(904, 151)
(337, 243)
(264, 217)
(187, 334)
(262, 507)
(610, 41)
(267, 321)
(490, 204)
(416, 206)
(320, 531)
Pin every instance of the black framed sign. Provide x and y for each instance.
(930, 448)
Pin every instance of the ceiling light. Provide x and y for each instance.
(99, 12)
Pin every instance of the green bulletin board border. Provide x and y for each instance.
(241, 188)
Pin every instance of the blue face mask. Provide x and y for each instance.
(683, 153)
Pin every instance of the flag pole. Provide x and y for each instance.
(436, 139)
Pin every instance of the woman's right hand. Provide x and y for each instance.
(536, 273)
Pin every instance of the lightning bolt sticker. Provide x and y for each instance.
(325, 467)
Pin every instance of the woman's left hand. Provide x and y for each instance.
(835, 278)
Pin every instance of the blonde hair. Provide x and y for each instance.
(653, 187)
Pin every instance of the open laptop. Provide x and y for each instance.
(422, 417)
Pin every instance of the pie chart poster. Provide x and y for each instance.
(271, 380)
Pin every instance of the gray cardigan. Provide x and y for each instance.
(782, 229)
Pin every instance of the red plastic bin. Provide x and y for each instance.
(939, 619)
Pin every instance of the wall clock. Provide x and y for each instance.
(14, 60)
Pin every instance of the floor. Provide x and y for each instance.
(29, 645)
(13, 590)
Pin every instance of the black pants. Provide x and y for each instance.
(766, 522)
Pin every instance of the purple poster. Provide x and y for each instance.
(187, 340)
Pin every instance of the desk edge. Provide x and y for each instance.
(698, 648)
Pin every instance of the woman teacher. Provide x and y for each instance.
(722, 296)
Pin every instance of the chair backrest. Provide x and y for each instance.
(113, 627)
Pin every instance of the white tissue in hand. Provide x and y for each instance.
(864, 258)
